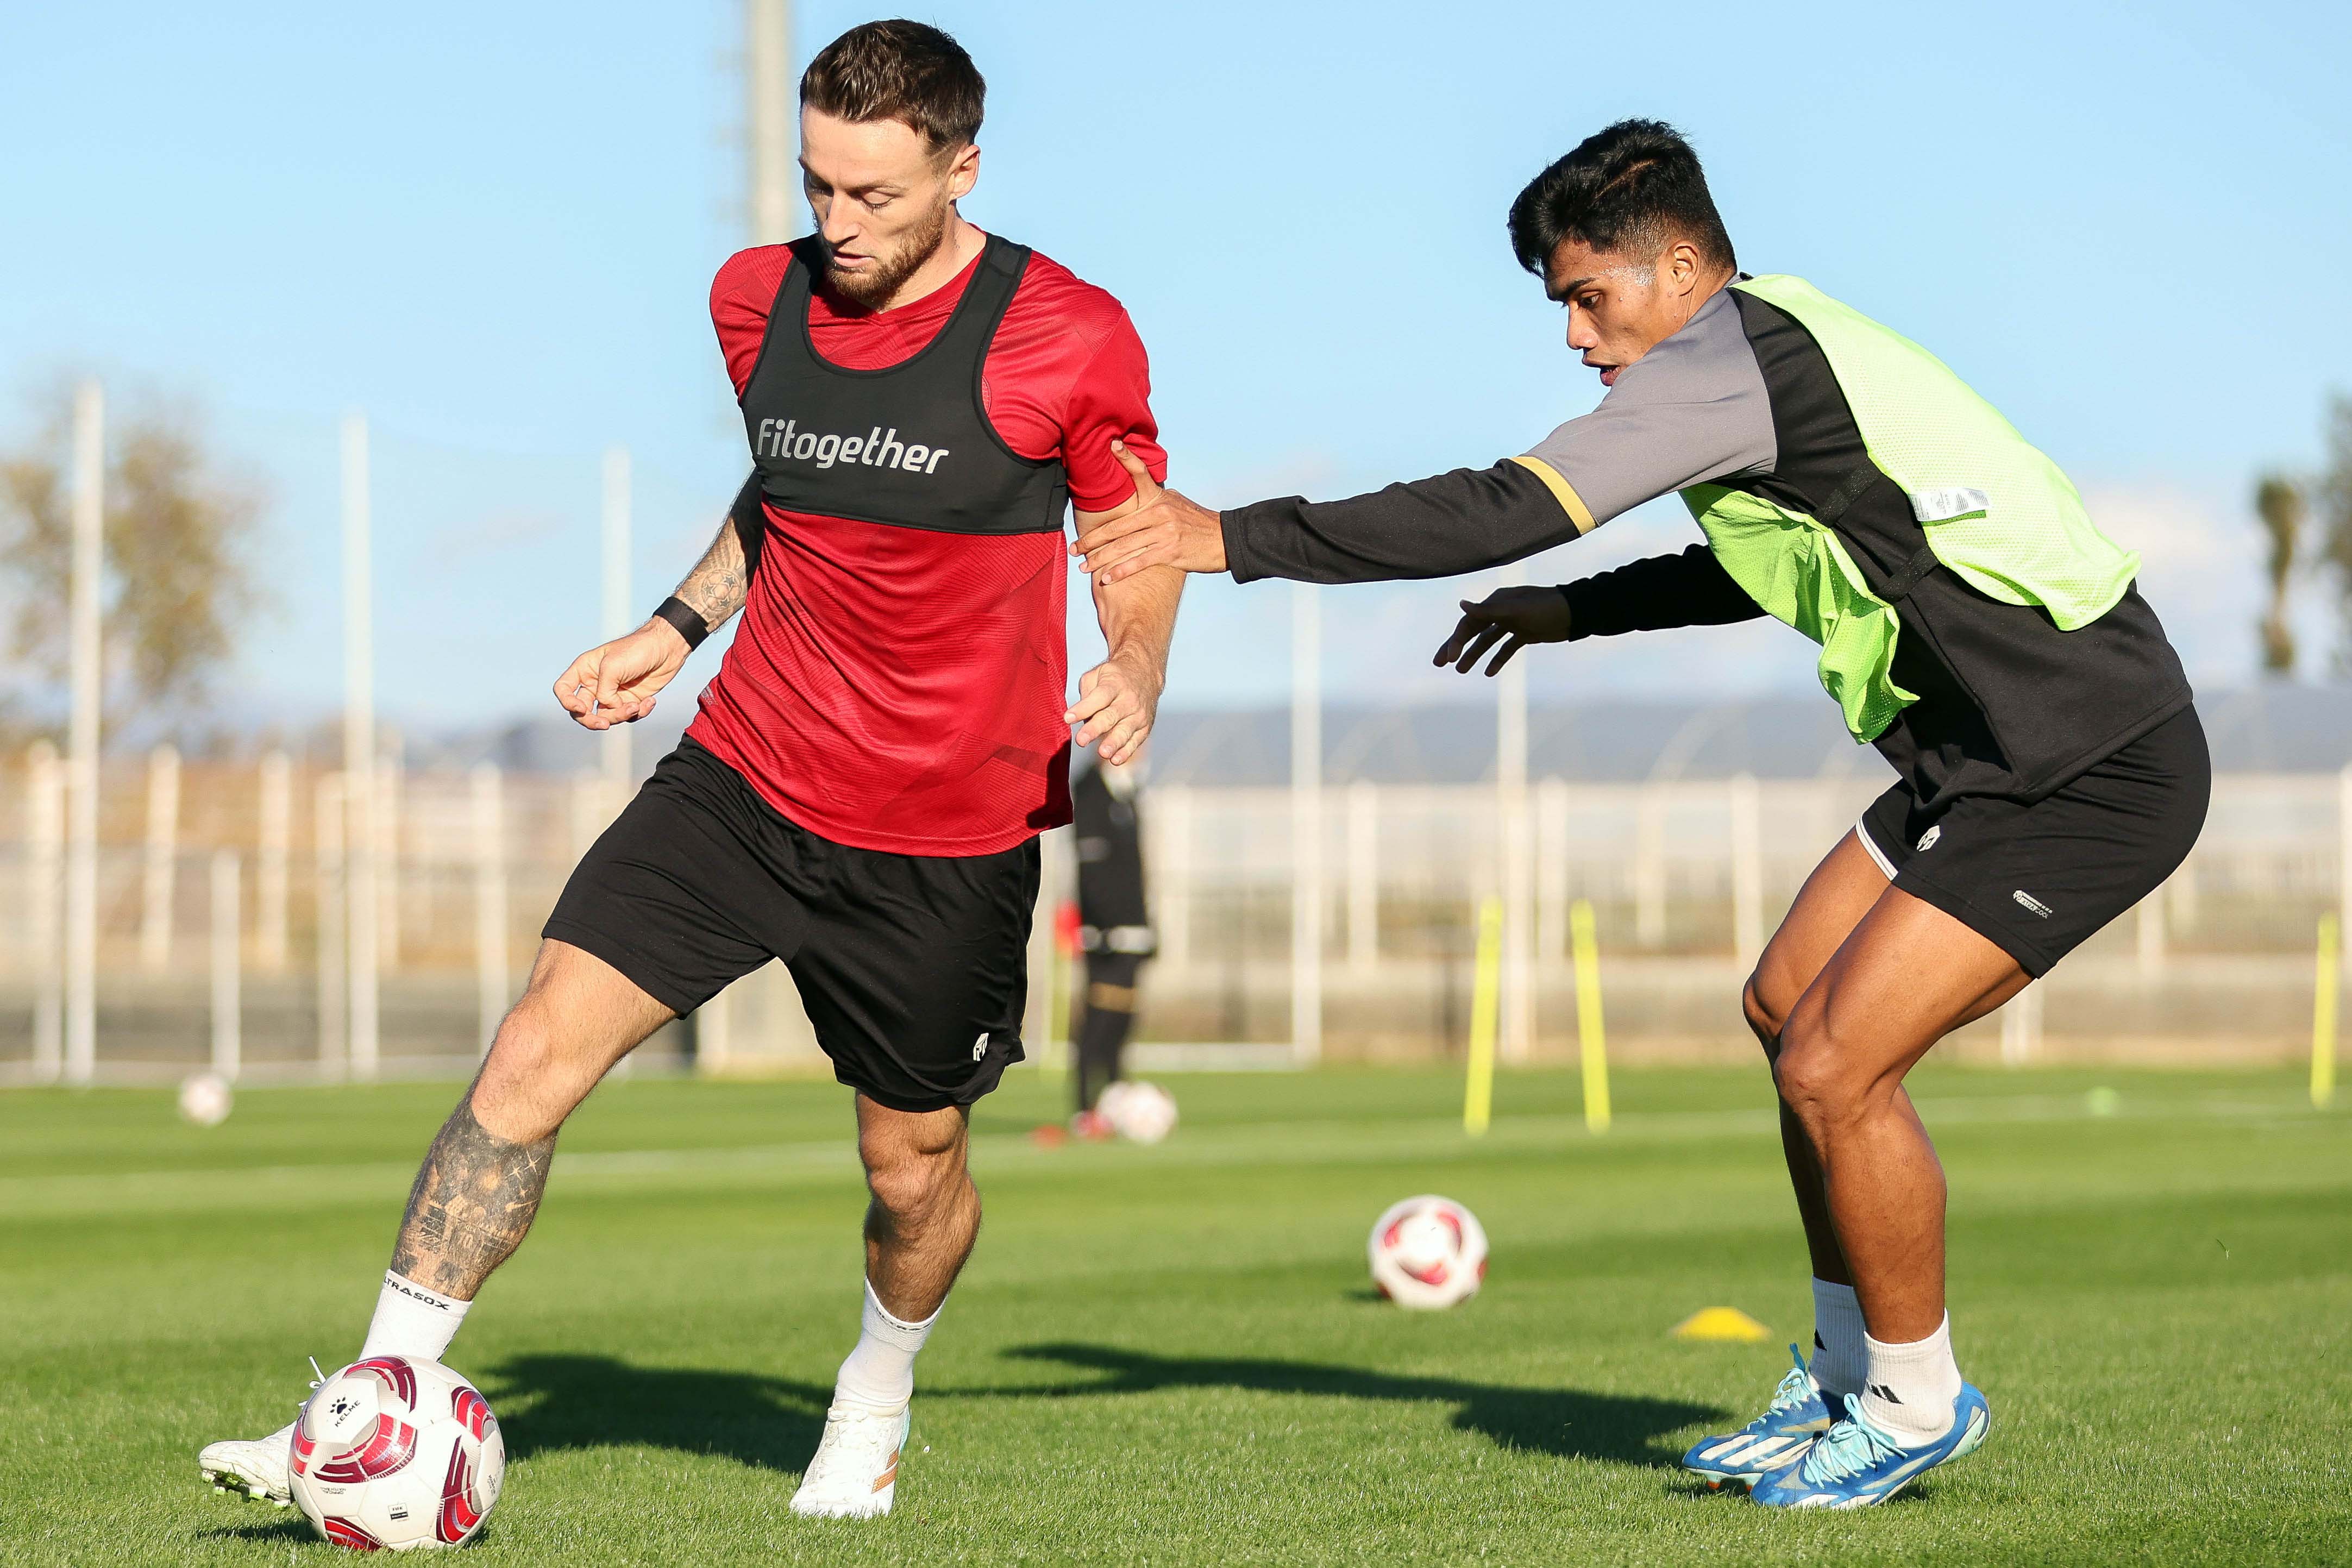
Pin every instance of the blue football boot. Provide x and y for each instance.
(1774, 1440)
(1858, 1462)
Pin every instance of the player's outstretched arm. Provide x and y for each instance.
(1464, 520)
(1159, 527)
(616, 682)
(1119, 699)
(1689, 589)
(1513, 616)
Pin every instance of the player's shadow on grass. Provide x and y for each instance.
(555, 1402)
(1569, 1422)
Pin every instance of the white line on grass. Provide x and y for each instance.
(229, 1192)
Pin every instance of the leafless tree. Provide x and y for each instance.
(180, 578)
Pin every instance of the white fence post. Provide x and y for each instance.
(492, 979)
(390, 787)
(1650, 866)
(332, 905)
(1747, 870)
(84, 616)
(2020, 1027)
(274, 837)
(163, 862)
(1363, 876)
(713, 1036)
(358, 938)
(2343, 850)
(228, 1042)
(613, 743)
(1307, 821)
(1517, 853)
(584, 808)
(2150, 934)
(1171, 873)
(1552, 869)
(45, 828)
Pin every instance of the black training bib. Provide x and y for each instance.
(909, 446)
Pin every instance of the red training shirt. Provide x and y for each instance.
(902, 690)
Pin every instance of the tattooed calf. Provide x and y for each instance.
(473, 1203)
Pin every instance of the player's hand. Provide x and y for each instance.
(1167, 528)
(616, 683)
(1521, 614)
(1117, 700)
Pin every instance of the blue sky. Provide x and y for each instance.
(493, 228)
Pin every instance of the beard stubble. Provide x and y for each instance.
(871, 288)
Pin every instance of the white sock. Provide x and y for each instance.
(1911, 1387)
(412, 1321)
(1838, 1360)
(879, 1374)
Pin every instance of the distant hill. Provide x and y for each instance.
(2273, 729)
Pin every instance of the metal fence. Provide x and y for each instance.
(234, 904)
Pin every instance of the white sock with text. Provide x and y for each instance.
(412, 1321)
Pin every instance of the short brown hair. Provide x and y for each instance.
(900, 70)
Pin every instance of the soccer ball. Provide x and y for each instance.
(205, 1099)
(393, 1452)
(1428, 1252)
(1143, 1112)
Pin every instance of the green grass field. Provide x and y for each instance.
(1172, 1356)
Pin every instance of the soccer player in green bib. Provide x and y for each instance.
(1974, 626)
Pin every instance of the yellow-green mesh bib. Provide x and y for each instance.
(1991, 506)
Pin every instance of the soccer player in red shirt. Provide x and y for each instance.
(861, 793)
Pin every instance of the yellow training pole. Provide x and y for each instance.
(1590, 1044)
(1485, 992)
(2323, 1015)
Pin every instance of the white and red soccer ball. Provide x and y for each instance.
(1139, 1112)
(205, 1099)
(1428, 1252)
(392, 1453)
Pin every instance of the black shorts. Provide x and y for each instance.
(2036, 880)
(914, 968)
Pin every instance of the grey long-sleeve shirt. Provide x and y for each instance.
(1742, 397)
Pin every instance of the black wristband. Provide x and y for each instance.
(686, 618)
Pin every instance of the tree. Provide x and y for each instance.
(2331, 493)
(180, 530)
(2279, 503)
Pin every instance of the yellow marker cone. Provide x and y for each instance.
(1728, 1325)
(1591, 1048)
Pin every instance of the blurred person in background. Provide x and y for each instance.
(1115, 932)
(1976, 627)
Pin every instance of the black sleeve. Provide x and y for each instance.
(750, 514)
(1691, 589)
(1466, 520)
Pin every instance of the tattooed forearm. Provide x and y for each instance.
(473, 1202)
(715, 586)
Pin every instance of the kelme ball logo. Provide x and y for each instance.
(879, 449)
(1927, 839)
(979, 1048)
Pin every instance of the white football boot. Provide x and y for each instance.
(255, 1467)
(855, 1470)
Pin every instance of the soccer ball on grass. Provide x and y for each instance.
(393, 1452)
(1428, 1252)
(1139, 1112)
